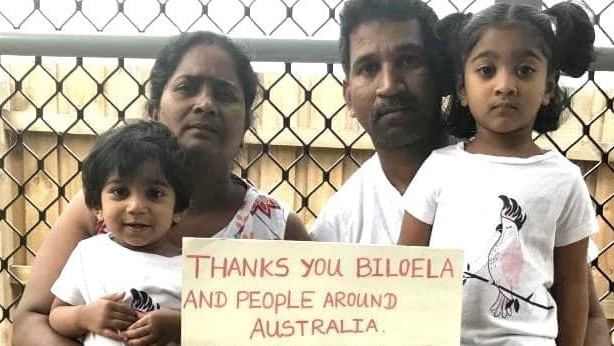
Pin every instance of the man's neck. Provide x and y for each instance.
(400, 165)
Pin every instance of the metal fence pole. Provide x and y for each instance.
(533, 3)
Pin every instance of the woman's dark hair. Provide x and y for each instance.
(125, 149)
(170, 56)
(567, 37)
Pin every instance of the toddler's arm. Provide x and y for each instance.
(105, 317)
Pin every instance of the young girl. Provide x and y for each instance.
(136, 179)
(521, 214)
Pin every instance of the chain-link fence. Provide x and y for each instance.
(71, 69)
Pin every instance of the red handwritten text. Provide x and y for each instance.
(321, 266)
(238, 266)
(203, 299)
(283, 329)
(406, 267)
(341, 299)
(275, 300)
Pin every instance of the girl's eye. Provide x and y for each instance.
(119, 192)
(525, 70)
(154, 193)
(486, 71)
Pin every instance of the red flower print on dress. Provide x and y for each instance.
(247, 235)
(264, 204)
(240, 222)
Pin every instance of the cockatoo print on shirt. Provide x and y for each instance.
(505, 258)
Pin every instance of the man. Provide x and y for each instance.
(393, 87)
(387, 53)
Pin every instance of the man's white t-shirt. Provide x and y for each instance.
(367, 209)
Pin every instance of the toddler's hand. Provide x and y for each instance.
(153, 328)
(107, 316)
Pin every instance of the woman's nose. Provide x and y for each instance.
(204, 102)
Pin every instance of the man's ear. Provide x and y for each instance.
(550, 88)
(348, 98)
(460, 90)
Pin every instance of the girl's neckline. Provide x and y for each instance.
(531, 151)
(169, 252)
(545, 154)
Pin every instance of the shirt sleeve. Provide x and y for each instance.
(592, 252)
(420, 198)
(577, 220)
(326, 227)
(67, 286)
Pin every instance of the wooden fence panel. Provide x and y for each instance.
(304, 178)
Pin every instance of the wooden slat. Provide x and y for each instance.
(608, 308)
(21, 272)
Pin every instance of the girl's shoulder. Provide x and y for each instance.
(556, 161)
(450, 149)
(445, 154)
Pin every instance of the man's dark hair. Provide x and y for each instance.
(357, 12)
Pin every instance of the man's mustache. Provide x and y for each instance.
(400, 102)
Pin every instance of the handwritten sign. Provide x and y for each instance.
(256, 292)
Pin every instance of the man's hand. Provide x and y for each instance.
(158, 327)
(107, 316)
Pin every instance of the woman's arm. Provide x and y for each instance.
(570, 290)
(414, 232)
(295, 229)
(597, 333)
(31, 326)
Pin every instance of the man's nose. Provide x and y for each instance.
(390, 82)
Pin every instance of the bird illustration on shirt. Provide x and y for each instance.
(505, 258)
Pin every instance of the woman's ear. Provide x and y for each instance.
(153, 113)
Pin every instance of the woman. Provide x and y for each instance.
(202, 88)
